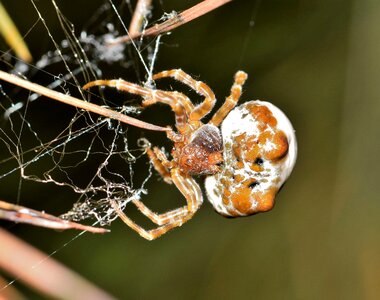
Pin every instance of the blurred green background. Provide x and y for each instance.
(317, 60)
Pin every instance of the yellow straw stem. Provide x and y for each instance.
(12, 36)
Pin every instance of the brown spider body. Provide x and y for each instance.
(246, 162)
(202, 154)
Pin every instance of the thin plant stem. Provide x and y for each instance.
(43, 273)
(12, 36)
(67, 99)
(175, 21)
(21, 214)
(141, 11)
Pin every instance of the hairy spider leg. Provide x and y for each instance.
(200, 87)
(193, 195)
(160, 219)
(179, 103)
(231, 100)
(160, 163)
(121, 85)
(175, 99)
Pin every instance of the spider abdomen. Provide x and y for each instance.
(259, 154)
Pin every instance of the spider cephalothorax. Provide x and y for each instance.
(246, 161)
(203, 153)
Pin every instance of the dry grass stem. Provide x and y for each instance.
(21, 214)
(141, 11)
(108, 113)
(175, 21)
(12, 36)
(43, 273)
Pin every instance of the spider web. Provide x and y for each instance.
(47, 143)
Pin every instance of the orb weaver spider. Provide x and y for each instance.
(246, 161)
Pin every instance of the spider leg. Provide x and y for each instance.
(231, 100)
(189, 189)
(192, 192)
(179, 103)
(160, 163)
(200, 87)
(122, 85)
(173, 99)
(160, 219)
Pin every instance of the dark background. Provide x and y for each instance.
(316, 60)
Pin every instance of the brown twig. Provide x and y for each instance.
(141, 11)
(21, 214)
(39, 89)
(175, 21)
(42, 272)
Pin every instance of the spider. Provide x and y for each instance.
(246, 153)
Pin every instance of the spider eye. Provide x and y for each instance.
(259, 161)
(253, 184)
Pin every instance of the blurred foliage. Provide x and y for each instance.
(318, 61)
